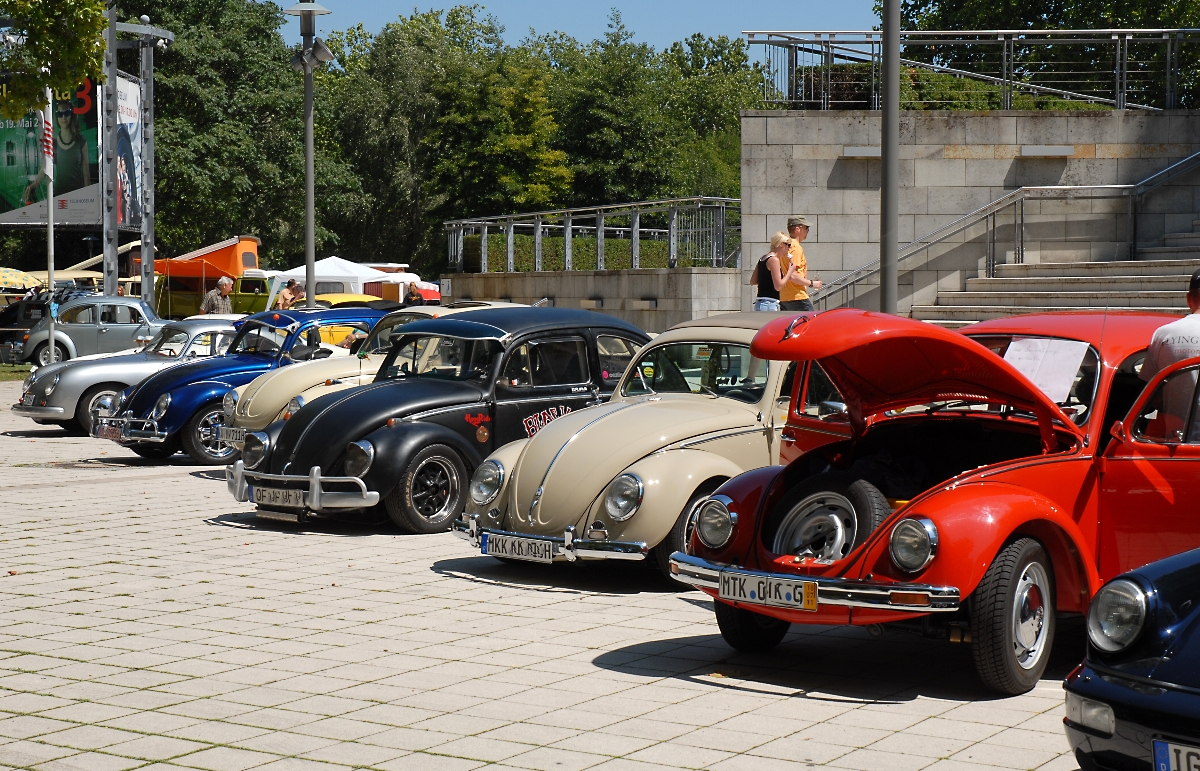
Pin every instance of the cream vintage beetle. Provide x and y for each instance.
(617, 480)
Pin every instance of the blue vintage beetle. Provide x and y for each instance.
(181, 407)
(1134, 703)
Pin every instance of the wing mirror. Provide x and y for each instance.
(1118, 432)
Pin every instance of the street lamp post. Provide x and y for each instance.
(313, 55)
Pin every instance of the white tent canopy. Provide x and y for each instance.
(344, 276)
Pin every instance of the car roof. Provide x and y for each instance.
(755, 320)
(302, 315)
(504, 322)
(1116, 334)
(114, 299)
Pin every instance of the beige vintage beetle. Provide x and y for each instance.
(276, 394)
(620, 480)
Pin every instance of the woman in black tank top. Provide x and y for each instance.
(767, 275)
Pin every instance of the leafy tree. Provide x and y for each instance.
(62, 44)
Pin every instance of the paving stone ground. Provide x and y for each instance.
(148, 621)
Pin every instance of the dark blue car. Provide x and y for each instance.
(1134, 703)
(181, 407)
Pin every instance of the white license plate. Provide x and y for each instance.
(1169, 756)
(27, 399)
(531, 549)
(109, 432)
(776, 592)
(226, 434)
(269, 496)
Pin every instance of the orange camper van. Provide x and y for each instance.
(183, 281)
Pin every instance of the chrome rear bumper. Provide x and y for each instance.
(851, 592)
(240, 483)
(567, 546)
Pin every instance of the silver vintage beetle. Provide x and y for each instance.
(88, 325)
(621, 480)
(64, 393)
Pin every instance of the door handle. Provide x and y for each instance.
(103, 329)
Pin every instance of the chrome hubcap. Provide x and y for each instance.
(1029, 616)
(822, 525)
(207, 431)
(434, 489)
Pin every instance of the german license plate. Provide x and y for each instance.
(532, 549)
(226, 434)
(27, 399)
(761, 590)
(1169, 756)
(270, 496)
(109, 432)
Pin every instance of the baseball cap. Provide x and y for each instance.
(798, 221)
(1194, 284)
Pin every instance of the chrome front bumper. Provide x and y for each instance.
(851, 592)
(567, 546)
(240, 482)
(30, 411)
(133, 430)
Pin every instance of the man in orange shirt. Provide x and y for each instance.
(793, 296)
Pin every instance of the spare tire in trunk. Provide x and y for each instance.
(826, 516)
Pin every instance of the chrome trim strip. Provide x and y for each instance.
(567, 546)
(845, 592)
(815, 430)
(442, 410)
(731, 433)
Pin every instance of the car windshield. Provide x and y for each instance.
(1066, 371)
(387, 332)
(439, 357)
(715, 369)
(168, 342)
(258, 338)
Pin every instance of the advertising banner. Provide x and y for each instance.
(129, 154)
(76, 169)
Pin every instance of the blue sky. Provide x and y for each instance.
(658, 22)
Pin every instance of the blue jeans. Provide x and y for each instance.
(766, 304)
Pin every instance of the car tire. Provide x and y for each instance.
(83, 410)
(677, 539)
(200, 437)
(154, 451)
(1012, 610)
(41, 354)
(431, 493)
(747, 631)
(826, 516)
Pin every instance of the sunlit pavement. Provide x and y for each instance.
(148, 621)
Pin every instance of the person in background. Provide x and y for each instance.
(793, 296)
(287, 296)
(414, 296)
(217, 300)
(1173, 343)
(767, 274)
(120, 290)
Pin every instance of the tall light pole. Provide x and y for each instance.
(889, 182)
(313, 55)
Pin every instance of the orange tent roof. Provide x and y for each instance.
(231, 257)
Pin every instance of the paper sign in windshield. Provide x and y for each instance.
(1051, 364)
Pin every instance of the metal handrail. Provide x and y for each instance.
(1016, 198)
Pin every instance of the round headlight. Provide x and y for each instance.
(623, 497)
(359, 456)
(160, 407)
(913, 544)
(229, 404)
(715, 522)
(486, 482)
(255, 447)
(28, 380)
(1117, 614)
(53, 383)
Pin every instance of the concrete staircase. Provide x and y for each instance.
(1155, 281)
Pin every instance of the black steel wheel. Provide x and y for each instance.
(201, 437)
(431, 493)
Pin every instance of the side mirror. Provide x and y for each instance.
(1118, 432)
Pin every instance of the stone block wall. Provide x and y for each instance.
(651, 298)
(951, 163)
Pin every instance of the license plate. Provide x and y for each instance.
(27, 399)
(226, 434)
(531, 549)
(1175, 757)
(776, 592)
(109, 432)
(269, 496)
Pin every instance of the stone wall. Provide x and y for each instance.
(651, 298)
(951, 163)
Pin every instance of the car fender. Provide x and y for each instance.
(42, 335)
(396, 445)
(187, 400)
(974, 521)
(509, 458)
(747, 492)
(669, 480)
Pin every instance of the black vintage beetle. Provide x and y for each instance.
(450, 391)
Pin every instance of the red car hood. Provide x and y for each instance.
(881, 362)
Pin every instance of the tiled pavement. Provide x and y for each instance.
(147, 621)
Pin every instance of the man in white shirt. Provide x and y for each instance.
(1172, 343)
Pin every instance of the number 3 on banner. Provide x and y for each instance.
(84, 94)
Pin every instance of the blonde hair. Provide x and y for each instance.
(779, 238)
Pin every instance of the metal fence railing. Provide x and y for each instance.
(678, 232)
(1148, 69)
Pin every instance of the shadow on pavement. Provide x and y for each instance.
(217, 475)
(360, 525)
(49, 432)
(613, 578)
(834, 663)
